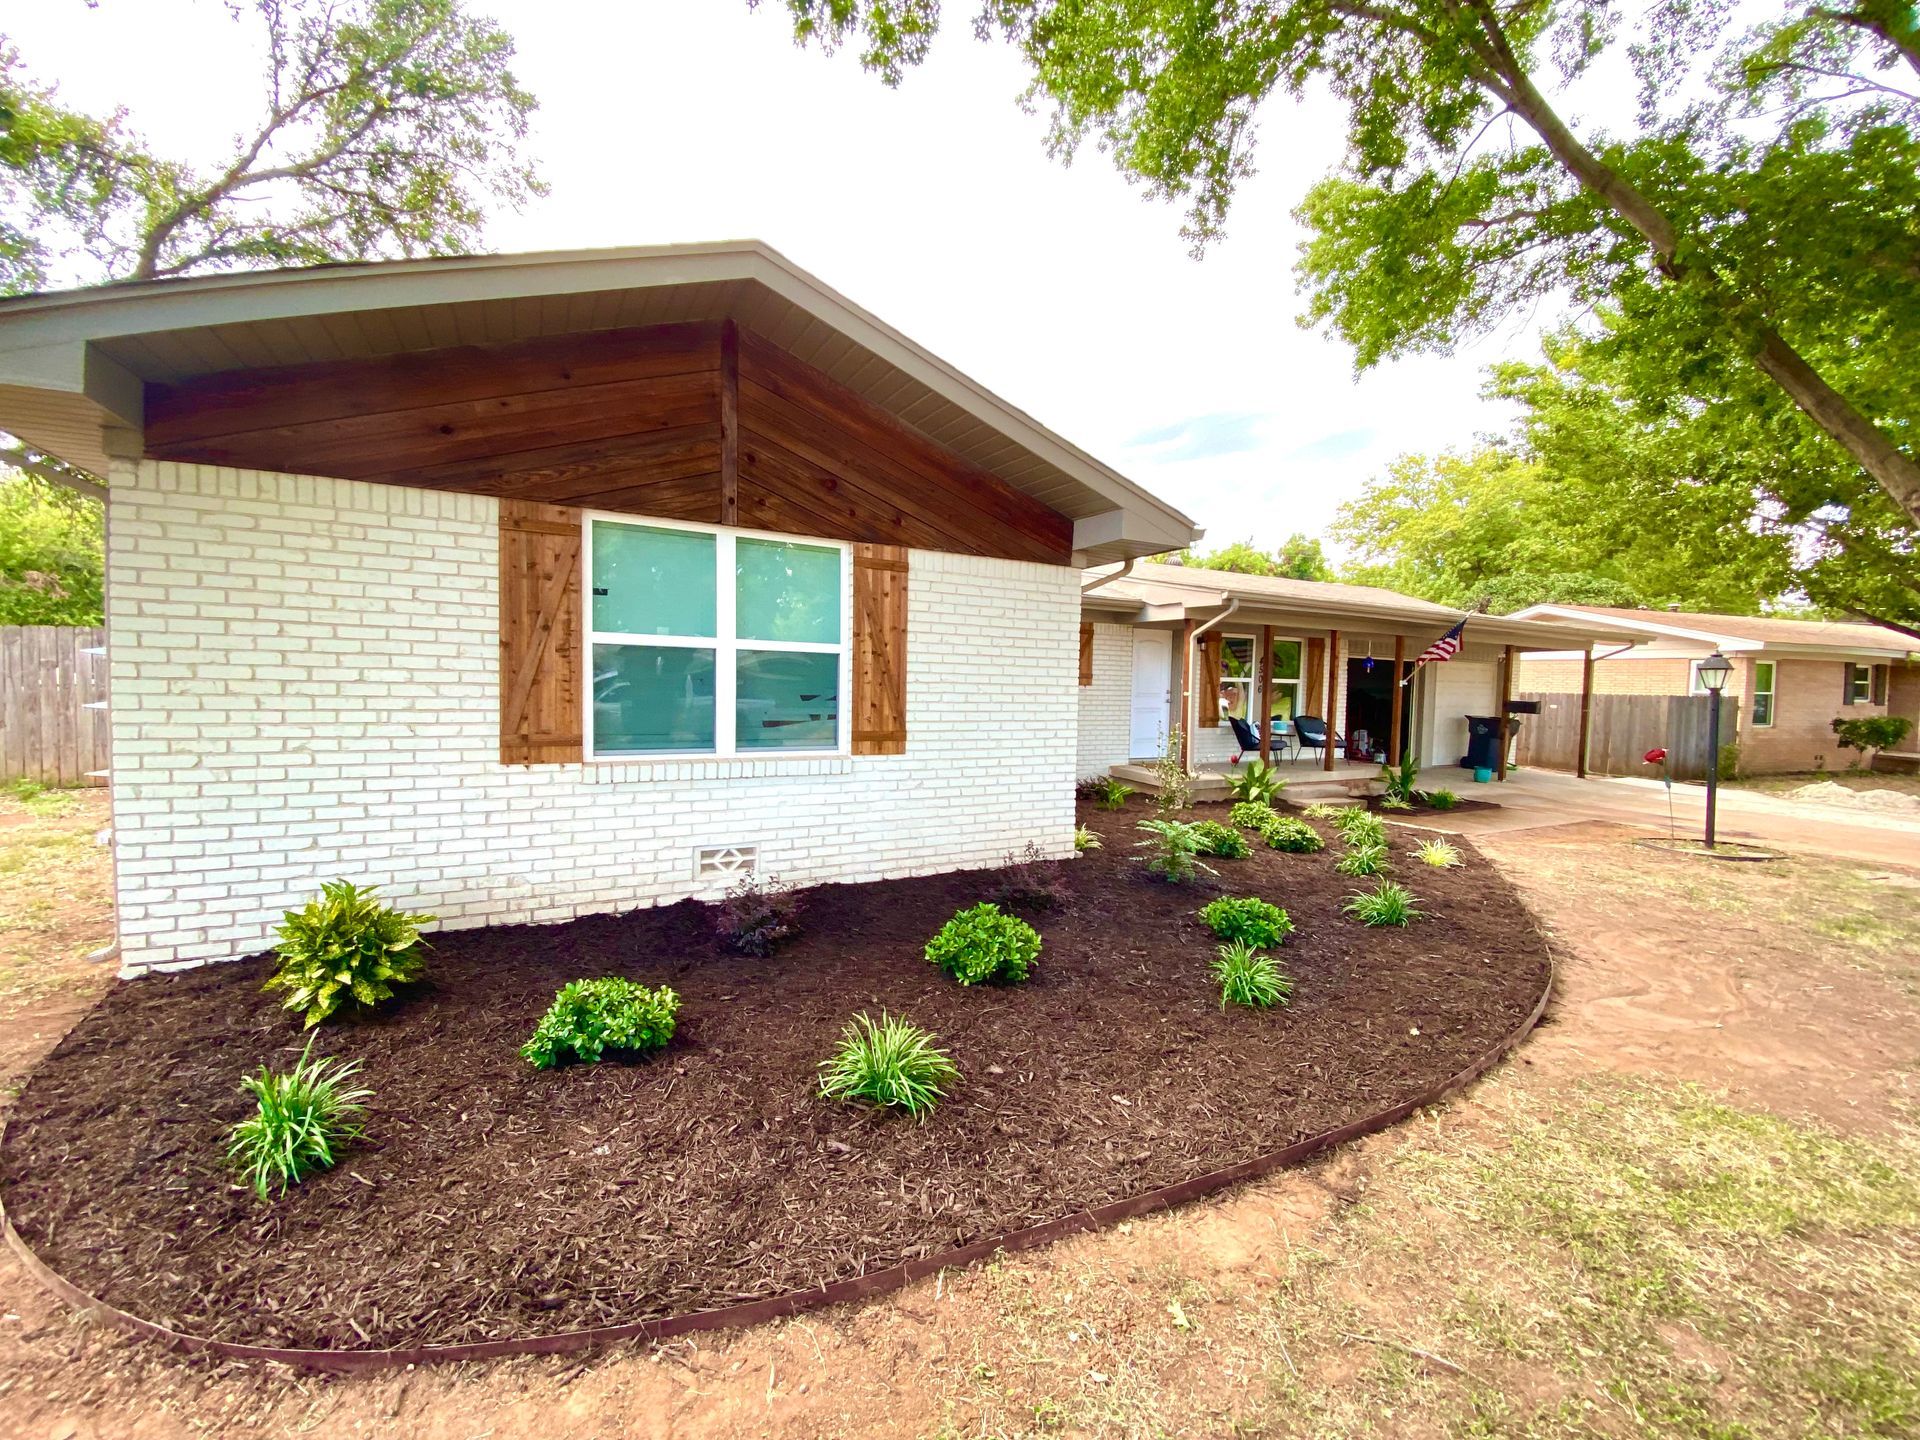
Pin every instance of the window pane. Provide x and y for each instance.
(653, 582)
(787, 700)
(786, 592)
(1286, 659)
(1763, 709)
(1285, 702)
(1233, 698)
(651, 697)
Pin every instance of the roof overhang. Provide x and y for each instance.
(73, 364)
(1158, 601)
(1651, 629)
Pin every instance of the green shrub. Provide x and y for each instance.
(1442, 799)
(1247, 917)
(1438, 853)
(1221, 840)
(1249, 978)
(980, 946)
(346, 946)
(1252, 814)
(590, 1017)
(1363, 860)
(1321, 810)
(1174, 847)
(1870, 732)
(1111, 794)
(1386, 904)
(1256, 780)
(1084, 840)
(1292, 834)
(887, 1062)
(303, 1118)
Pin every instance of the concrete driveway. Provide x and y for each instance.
(1536, 799)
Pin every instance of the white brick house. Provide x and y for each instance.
(690, 560)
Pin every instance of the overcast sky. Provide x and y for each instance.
(935, 206)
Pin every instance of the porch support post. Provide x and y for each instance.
(1184, 716)
(1506, 694)
(1399, 699)
(1586, 712)
(1333, 694)
(1266, 693)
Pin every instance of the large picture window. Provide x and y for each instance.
(713, 642)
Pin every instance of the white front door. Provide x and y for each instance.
(1152, 690)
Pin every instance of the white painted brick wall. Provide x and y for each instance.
(1106, 706)
(305, 685)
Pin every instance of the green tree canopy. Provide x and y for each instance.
(1299, 557)
(386, 127)
(1499, 530)
(50, 560)
(1765, 201)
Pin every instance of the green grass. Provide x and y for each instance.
(1249, 978)
(302, 1119)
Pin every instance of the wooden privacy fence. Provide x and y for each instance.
(1624, 728)
(49, 675)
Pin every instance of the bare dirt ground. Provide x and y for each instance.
(1690, 1207)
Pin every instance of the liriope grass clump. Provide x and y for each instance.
(1438, 853)
(1321, 810)
(302, 1119)
(1249, 978)
(1386, 904)
(889, 1063)
(1363, 861)
(1359, 827)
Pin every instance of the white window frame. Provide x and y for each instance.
(1251, 679)
(1869, 673)
(1770, 691)
(1694, 687)
(725, 644)
(1298, 682)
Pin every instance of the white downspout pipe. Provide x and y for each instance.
(1186, 669)
(1125, 570)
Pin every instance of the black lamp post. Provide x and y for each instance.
(1713, 676)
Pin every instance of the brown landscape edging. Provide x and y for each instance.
(773, 1307)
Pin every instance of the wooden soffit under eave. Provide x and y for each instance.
(696, 422)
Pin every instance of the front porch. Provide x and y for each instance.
(1307, 779)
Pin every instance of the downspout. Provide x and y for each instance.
(1120, 574)
(1186, 668)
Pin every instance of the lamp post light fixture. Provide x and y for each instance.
(1713, 672)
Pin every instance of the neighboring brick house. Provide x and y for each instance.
(534, 586)
(1794, 678)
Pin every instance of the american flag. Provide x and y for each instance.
(1445, 648)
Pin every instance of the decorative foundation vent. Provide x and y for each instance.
(723, 862)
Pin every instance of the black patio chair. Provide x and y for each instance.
(1245, 736)
(1310, 733)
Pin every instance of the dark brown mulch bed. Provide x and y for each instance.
(491, 1199)
(1421, 806)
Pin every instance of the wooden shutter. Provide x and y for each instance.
(540, 640)
(879, 649)
(1086, 653)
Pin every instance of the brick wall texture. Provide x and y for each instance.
(305, 685)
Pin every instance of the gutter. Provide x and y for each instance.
(1187, 701)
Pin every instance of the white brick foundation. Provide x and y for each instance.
(1106, 706)
(305, 686)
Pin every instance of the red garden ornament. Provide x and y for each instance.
(1655, 756)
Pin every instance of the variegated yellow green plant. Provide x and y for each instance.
(346, 946)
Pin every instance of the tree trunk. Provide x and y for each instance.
(1891, 468)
